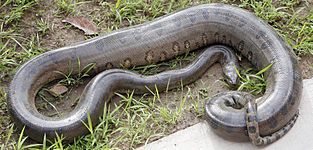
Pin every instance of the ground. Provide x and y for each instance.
(31, 27)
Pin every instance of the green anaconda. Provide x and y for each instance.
(201, 26)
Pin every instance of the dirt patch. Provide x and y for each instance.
(306, 65)
(58, 106)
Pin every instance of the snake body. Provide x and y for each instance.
(160, 40)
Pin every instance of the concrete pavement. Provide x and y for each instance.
(201, 137)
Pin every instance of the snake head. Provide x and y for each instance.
(231, 75)
(232, 78)
(230, 71)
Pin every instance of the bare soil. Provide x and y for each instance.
(306, 65)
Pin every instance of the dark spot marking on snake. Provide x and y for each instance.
(187, 44)
(217, 37)
(205, 13)
(176, 47)
(241, 23)
(127, 63)
(261, 34)
(192, 17)
(250, 55)
(230, 43)
(149, 57)
(266, 44)
(204, 38)
(251, 129)
(198, 45)
(224, 39)
(177, 83)
(163, 55)
(99, 69)
(285, 130)
(241, 45)
(108, 65)
(277, 136)
(259, 140)
(248, 110)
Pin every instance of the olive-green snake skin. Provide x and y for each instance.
(261, 120)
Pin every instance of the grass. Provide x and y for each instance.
(43, 26)
(13, 53)
(135, 119)
(71, 79)
(4, 119)
(289, 22)
(132, 12)
(172, 116)
(252, 82)
(67, 6)
(13, 10)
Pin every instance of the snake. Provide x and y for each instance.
(220, 28)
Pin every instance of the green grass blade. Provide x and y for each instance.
(264, 69)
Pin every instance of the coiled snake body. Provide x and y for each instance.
(160, 40)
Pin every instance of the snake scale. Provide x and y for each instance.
(261, 120)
